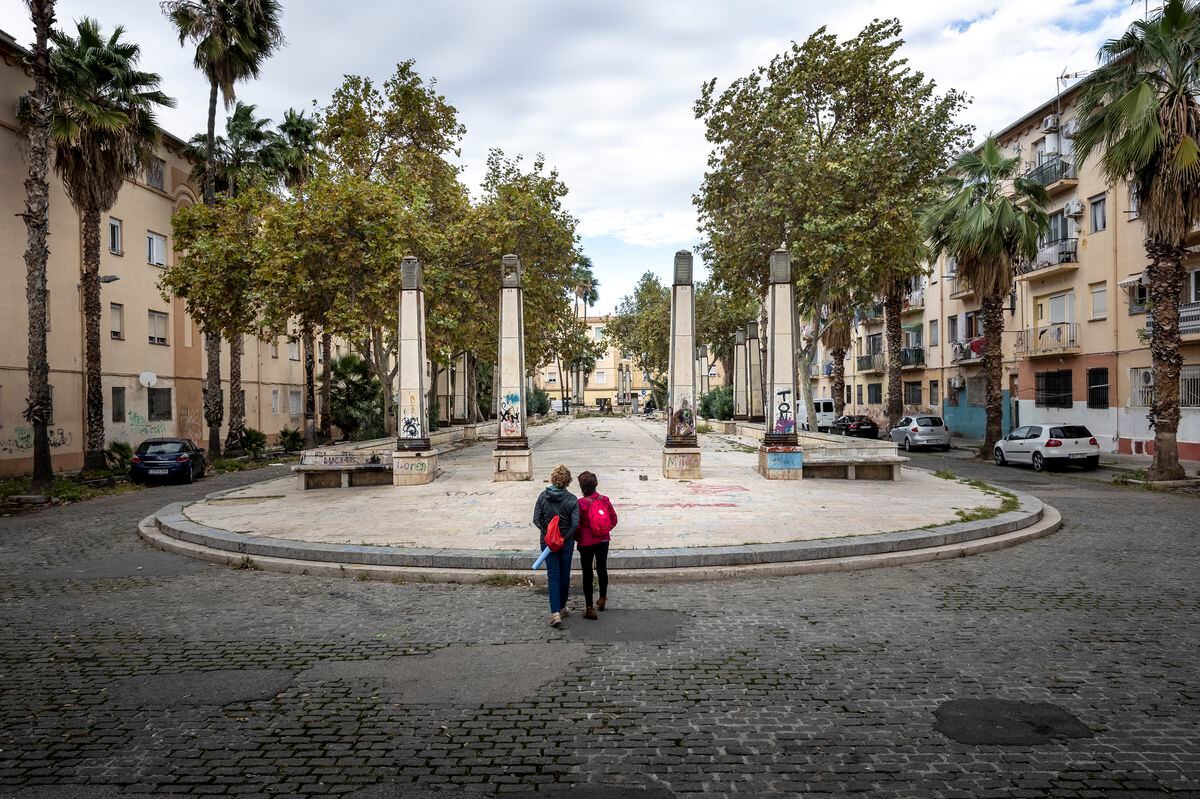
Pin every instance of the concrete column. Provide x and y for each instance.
(681, 455)
(458, 382)
(779, 457)
(704, 386)
(754, 375)
(413, 462)
(740, 405)
(443, 395)
(512, 457)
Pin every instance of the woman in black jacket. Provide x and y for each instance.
(557, 500)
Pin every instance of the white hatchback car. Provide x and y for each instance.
(921, 431)
(1044, 445)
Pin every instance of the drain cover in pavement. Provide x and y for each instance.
(621, 626)
(1005, 722)
(456, 675)
(199, 687)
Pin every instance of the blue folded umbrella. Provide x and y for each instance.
(541, 559)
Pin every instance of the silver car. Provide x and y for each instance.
(921, 431)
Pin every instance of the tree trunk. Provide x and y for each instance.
(89, 285)
(892, 307)
(993, 366)
(237, 404)
(210, 179)
(727, 370)
(214, 410)
(37, 252)
(1167, 278)
(804, 371)
(326, 381)
(308, 336)
(431, 399)
(839, 382)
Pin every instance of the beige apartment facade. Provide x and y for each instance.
(152, 353)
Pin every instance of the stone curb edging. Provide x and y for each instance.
(171, 524)
(1049, 521)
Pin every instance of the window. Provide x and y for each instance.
(1135, 202)
(1099, 213)
(156, 173)
(875, 344)
(600, 377)
(116, 323)
(1189, 386)
(275, 348)
(1192, 287)
(951, 268)
(952, 328)
(933, 332)
(158, 404)
(274, 401)
(156, 249)
(1053, 389)
(848, 398)
(1099, 292)
(874, 393)
(114, 235)
(293, 350)
(934, 394)
(912, 393)
(551, 377)
(1057, 230)
(599, 331)
(1097, 384)
(158, 327)
(295, 404)
(860, 394)
(118, 404)
(974, 324)
(1139, 299)
(1141, 387)
(976, 389)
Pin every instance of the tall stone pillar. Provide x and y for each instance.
(681, 455)
(740, 406)
(414, 462)
(443, 395)
(459, 382)
(512, 457)
(704, 386)
(779, 457)
(754, 375)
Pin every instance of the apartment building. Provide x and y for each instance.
(1075, 341)
(152, 353)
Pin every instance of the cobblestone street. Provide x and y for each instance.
(125, 671)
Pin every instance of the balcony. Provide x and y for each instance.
(966, 351)
(912, 357)
(914, 301)
(1052, 258)
(960, 288)
(1061, 338)
(1055, 173)
(870, 363)
(1189, 320)
(871, 314)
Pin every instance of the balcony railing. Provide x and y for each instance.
(912, 356)
(959, 287)
(1047, 339)
(1052, 254)
(1189, 319)
(915, 300)
(1051, 171)
(870, 363)
(871, 312)
(966, 350)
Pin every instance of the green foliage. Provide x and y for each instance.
(641, 327)
(227, 465)
(118, 456)
(538, 402)
(291, 439)
(254, 442)
(717, 403)
(945, 474)
(356, 400)
(65, 488)
(720, 312)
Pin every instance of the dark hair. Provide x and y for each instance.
(587, 483)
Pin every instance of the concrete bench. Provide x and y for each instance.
(344, 475)
(840, 467)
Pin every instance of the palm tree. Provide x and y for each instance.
(36, 107)
(103, 131)
(990, 218)
(298, 141)
(586, 289)
(233, 39)
(1141, 111)
(837, 338)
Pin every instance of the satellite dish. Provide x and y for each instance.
(147, 379)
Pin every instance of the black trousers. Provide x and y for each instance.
(599, 554)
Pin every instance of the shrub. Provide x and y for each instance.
(291, 439)
(538, 402)
(356, 399)
(717, 403)
(118, 457)
(254, 442)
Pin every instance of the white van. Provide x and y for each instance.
(825, 415)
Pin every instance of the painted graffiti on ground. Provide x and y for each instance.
(665, 505)
(683, 421)
(716, 488)
(785, 422)
(22, 440)
(410, 419)
(138, 425)
(510, 414)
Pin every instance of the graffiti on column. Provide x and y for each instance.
(785, 422)
(510, 415)
(683, 421)
(410, 419)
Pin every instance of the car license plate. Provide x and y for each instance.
(158, 471)
(1078, 455)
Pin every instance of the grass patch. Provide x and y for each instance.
(245, 564)
(704, 427)
(71, 488)
(505, 580)
(945, 474)
(227, 465)
(1008, 502)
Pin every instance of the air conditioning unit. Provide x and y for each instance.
(1147, 377)
(1070, 128)
(1073, 208)
(1050, 123)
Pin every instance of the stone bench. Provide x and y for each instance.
(343, 470)
(842, 467)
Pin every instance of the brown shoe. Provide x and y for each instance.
(590, 613)
(600, 603)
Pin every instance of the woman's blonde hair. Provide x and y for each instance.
(561, 476)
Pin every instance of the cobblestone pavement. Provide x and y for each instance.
(128, 671)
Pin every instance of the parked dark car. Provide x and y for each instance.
(859, 426)
(167, 459)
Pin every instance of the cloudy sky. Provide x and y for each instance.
(605, 87)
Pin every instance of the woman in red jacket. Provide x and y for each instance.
(597, 518)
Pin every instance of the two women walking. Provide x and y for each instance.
(588, 521)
